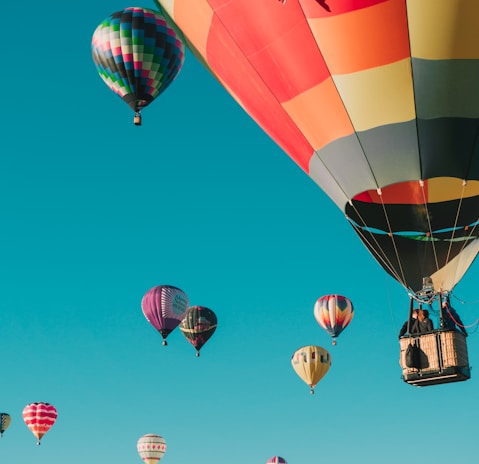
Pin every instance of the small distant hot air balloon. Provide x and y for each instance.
(164, 307)
(198, 326)
(311, 363)
(39, 417)
(151, 448)
(5, 420)
(276, 460)
(333, 313)
(138, 55)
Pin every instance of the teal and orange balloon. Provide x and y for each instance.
(138, 55)
(333, 313)
(390, 133)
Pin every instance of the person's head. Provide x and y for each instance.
(414, 313)
(423, 314)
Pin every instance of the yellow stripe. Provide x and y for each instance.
(444, 29)
(378, 96)
(449, 188)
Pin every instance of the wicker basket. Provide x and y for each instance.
(442, 358)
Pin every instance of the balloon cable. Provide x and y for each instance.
(421, 183)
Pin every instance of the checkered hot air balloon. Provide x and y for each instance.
(5, 420)
(276, 460)
(151, 448)
(138, 55)
(333, 313)
(164, 307)
(198, 326)
(39, 417)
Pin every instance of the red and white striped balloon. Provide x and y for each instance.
(151, 448)
(39, 417)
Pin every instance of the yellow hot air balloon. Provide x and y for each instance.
(311, 363)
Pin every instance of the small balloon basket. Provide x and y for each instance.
(434, 358)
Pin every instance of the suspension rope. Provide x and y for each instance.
(391, 235)
(421, 184)
(381, 257)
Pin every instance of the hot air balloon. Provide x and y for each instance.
(198, 326)
(137, 55)
(164, 307)
(311, 363)
(151, 448)
(5, 420)
(276, 460)
(390, 133)
(39, 417)
(333, 313)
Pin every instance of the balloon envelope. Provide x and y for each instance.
(39, 417)
(198, 326)
(151, 448)
(5, 421)
(276, 460)
(311, 363)
(333, 313)
(164, 307)
(137, 54)
(388, 132)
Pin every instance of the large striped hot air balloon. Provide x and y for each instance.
(164, 307)
(311, 363)
(39, 417)
(376, 100)
(5, 421)
(151, 448)
(333, 313)
(137, 55)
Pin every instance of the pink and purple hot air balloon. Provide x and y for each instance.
(333, 313)
(164, 307)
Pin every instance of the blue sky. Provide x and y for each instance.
(95, 211)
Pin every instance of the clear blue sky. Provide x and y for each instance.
(95, 211)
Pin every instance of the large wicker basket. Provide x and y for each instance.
(441, 358)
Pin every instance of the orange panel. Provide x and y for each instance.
(194, 18)
(365, 38)
(320, 115)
